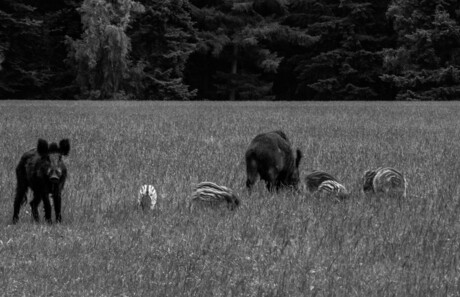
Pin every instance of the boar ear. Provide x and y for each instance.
(64, 146)
(298, 158)
(42, 147)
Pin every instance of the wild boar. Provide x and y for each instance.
(323, 184)
(271, 157)
(215, 194)
(385, 180)
(44, 172)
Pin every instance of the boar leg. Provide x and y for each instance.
(271, 179)
(57, 206)
(47, 207)
(21, 192)
(34, 205)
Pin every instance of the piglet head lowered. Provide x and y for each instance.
(368, 179)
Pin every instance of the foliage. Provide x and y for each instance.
(165, 37)
(238, 41)
(101, 55)
(345, 63)
(61, 20)
(426, 63)
(230, 49)
(22, 73)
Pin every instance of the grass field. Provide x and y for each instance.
(282, 244)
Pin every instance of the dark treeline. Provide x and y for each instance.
(230, 50)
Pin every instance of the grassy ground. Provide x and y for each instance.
(273, 245)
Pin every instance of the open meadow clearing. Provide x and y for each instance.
(284, 244)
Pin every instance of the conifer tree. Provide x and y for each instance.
(238, 47)
(346, 62)
(60, 21)
(22, 72)
(426, 63)
(164, 37)
(101, 55)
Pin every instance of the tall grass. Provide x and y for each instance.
(282, 244)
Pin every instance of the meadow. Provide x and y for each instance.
(274, 244)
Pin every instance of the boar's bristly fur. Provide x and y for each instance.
(44, 172)
(271, 157)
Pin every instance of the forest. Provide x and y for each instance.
(230, 49)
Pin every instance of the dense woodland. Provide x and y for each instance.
(230, 50)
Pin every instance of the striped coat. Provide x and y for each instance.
(324, 184)
(147, 197)
(333, 189)
(314, 180)
(215, 194)
(386, 180)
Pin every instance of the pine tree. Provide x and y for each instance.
(22, 71)
(164, 37)
(346, 62)
(61, 20)
(101, 55)
(237, 52)
(426, 63)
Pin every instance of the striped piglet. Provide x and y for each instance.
(147, 197)
(324, 184)
(386, 180)
(214, 194)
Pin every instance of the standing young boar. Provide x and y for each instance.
(271, 157)
(43, 171)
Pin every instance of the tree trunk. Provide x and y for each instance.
(234, 71)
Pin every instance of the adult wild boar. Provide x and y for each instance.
(43, 171)
(271, 157)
